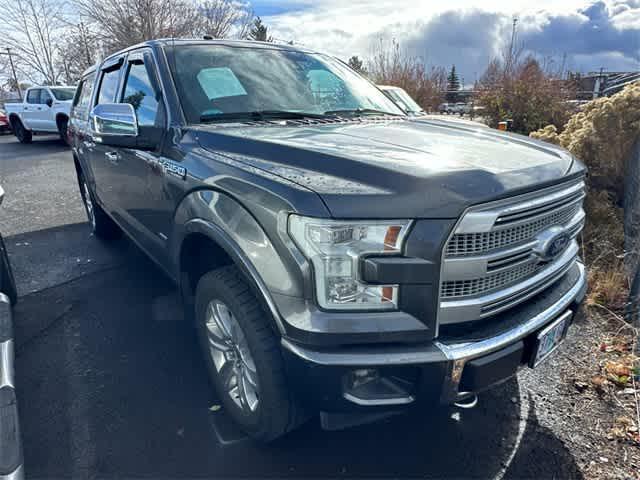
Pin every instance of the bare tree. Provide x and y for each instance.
(390, 66)
(122, 23)
(33, 28)
(225, 18)
(77, 52)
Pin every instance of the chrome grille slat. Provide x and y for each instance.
(475, 243)
(494, 258)
(464, 288)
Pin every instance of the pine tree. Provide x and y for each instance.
(453, 85)
(357, 64)
(259, 31)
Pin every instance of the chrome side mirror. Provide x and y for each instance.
(114, 119)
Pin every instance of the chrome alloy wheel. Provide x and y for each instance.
(231, 356)
(89, 204)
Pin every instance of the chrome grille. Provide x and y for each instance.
(474, 243)
(496, 257)
(463, 288)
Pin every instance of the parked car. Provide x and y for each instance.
(11, 458)
(4, 122)
(402, 100)
(336, 255)
(43, 110)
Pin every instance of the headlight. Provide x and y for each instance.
(335, 249)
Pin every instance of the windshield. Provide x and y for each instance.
(63, 94)
(403, 100)
(217, 82)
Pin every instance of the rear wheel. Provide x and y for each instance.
(243, 356)
(22, 134)
(100, 222)
(63, 124)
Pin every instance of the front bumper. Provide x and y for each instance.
(464, 359)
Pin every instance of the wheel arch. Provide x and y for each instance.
(215, 248)
(14, 117)
(61, 116)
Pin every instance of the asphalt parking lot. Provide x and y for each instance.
(110, 382)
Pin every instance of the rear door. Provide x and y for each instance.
(81, 141)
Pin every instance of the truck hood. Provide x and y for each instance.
(397, 168)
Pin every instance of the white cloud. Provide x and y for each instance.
(456, 31)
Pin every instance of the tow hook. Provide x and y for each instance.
(468, 402)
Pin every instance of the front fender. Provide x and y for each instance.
(223, 219)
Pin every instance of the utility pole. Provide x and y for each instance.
(512, 45)
(13, 70)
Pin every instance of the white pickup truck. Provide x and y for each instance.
(43, 110)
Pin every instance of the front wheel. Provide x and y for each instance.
(22, 134)
(243, 356)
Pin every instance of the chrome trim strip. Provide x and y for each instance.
(458, 311)
(480, 219)
(379, 401)
(6, 364)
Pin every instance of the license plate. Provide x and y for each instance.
(549, 338)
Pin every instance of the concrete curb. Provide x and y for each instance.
(11, 459)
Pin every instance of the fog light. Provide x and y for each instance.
(357, 378)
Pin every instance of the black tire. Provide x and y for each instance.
(7, 281)
(101, 224)
(63, 125)
(22, 134)
(277, 411)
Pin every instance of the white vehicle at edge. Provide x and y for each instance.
(43, 110)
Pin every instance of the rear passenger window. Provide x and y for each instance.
(109, 86)
(139, 92)
(83, 97)
(33, 96)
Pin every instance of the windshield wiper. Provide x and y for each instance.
(259, 115)
(361, 111)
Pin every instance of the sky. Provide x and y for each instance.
(583, 35)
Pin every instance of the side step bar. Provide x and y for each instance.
(11, 458)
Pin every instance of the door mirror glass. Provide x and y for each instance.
(114, 119)
(49, 102)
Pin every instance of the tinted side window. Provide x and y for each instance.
(139, 92)
(83, 97)
(109, 86)
(33, 96)
(44, 96)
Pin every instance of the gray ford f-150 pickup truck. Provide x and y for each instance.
(335, 255)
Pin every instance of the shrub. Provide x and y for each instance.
(525, 93)
(602, 135)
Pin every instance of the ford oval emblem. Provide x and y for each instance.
(551, 243)
(557, 245)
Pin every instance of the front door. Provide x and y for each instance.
(104, 159)
(142, 170)
(45, 115)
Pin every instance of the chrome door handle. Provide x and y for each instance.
(112, 157)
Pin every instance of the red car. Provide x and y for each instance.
(4, 122)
